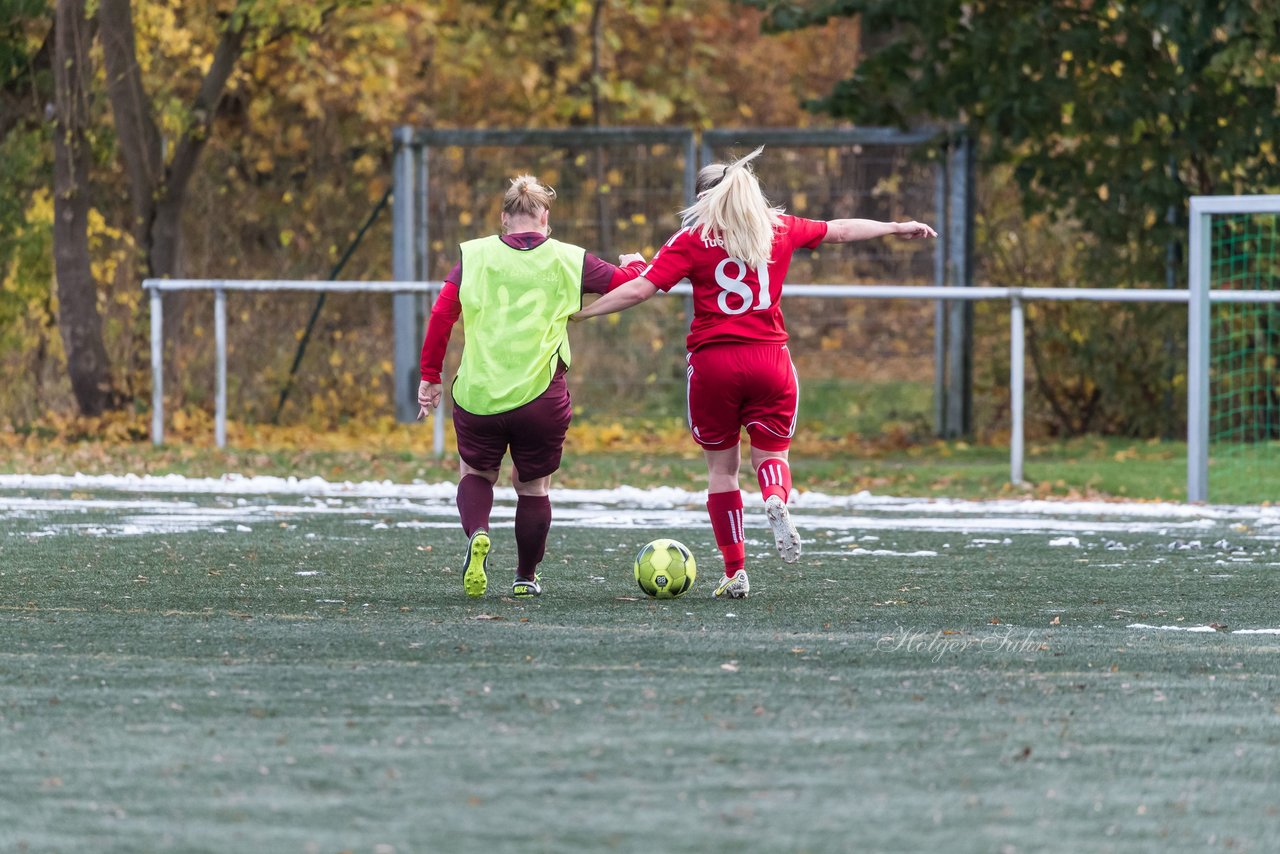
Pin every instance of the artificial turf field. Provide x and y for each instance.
(300, 671)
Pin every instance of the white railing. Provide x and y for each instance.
(1017, 328)
(220, 287)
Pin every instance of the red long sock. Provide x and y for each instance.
(725, 510)
(775, 479)
(475, 500)
(533, 521)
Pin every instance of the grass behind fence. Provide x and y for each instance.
(644, 452)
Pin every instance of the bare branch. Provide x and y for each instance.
(203, 111)
(136, 128)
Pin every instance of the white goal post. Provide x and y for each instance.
(1200, 282)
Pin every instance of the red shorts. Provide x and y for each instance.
(732, 386)
(534, 432)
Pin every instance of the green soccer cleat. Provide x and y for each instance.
(474, 578)
(736, 587)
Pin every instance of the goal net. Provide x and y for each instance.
(1234, 350)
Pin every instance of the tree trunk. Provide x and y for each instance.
(142, 153)
(136, 131)
(78, 317)
(157, 189)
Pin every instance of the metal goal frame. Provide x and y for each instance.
(1201, 296)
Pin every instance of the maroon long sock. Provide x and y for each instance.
(475, 500)
(533, 521)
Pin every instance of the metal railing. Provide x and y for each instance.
(220, 288)
(1017, 298)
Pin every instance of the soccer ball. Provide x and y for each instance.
(665, 569)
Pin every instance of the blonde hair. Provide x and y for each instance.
(527, 197)
(732, 207)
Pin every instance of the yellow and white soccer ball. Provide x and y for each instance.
(665, 569)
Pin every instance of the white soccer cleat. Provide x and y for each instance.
(785, 535)
(526, 588)
(736, 587)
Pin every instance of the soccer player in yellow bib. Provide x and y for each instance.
(515, 292)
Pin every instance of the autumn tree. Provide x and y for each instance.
(158, 184)
(159, 167)
(26, 157)
(1112, 113)
(250, 139)
(1109, 115)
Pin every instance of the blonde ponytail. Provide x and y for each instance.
(526, 197)
(732, 208)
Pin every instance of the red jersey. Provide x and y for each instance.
(730, 301)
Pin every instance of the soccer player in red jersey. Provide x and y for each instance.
(735, 248)
(515, 294)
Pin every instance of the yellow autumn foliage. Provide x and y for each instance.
(298, 156)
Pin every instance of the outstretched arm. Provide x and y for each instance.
(600, 277)
(625, 295)
(850, 230)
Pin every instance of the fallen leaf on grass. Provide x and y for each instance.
(1056, 621)
(487, 617)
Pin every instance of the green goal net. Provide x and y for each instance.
(1242, 441)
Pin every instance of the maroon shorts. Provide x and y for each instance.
(534, 433)
(732, 386)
